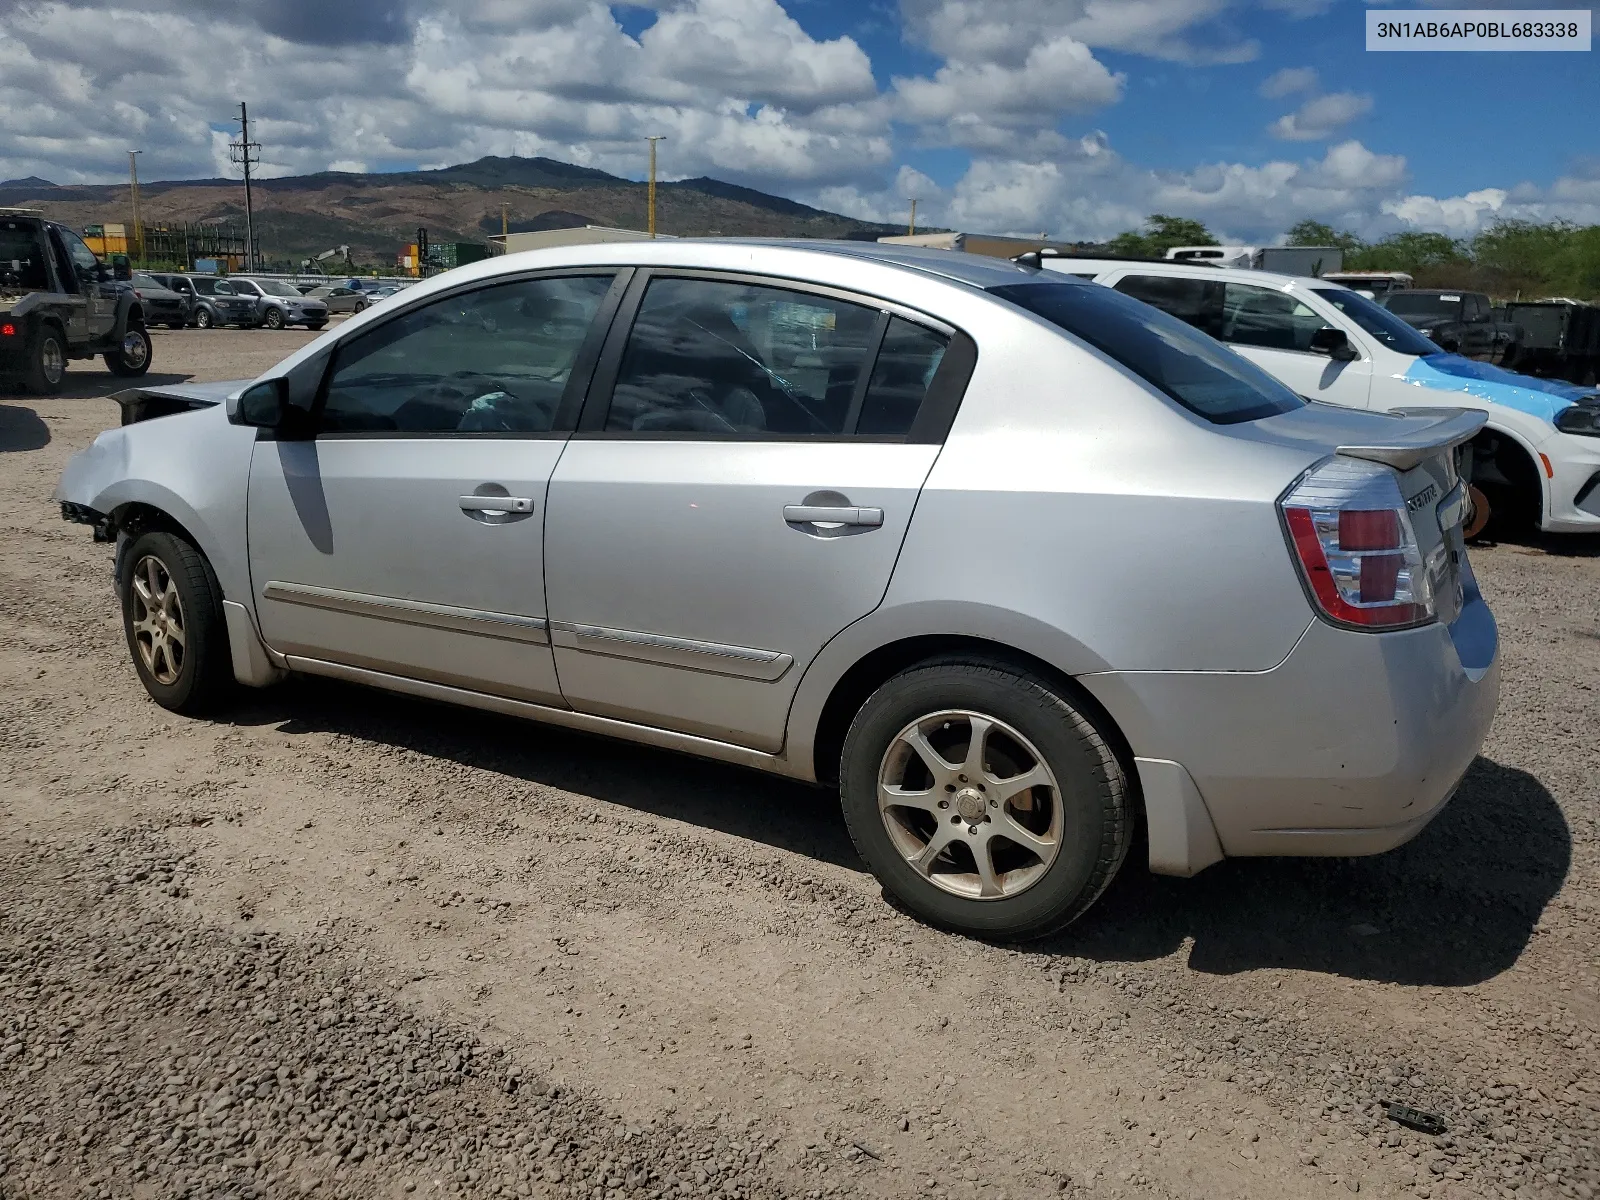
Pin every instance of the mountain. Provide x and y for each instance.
(376, 214)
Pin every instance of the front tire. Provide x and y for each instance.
(172, 616)
(317, 326)
(47, 365)
(983, 799)
(133, 356)
(203, 319)
(273, 319)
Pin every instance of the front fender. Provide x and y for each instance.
(194, 467)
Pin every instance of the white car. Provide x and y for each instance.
(1537, 460)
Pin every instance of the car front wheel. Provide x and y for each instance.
(983, 799)
(172, 615)
(132, 356)
(273, 319)
(203, 319)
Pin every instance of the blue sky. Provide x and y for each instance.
(1076, 117)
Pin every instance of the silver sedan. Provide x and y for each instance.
(1015, 562)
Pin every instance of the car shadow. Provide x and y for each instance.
(743, 803)
(1455, 906)
(89, 385)
(21, 429)
(1556, 545)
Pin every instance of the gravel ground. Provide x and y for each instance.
(355, 945)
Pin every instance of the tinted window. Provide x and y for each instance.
(713, 357)
(1377, 321)
(1197, 301)
(1201, 374)
(492, 360)
(1423, 305)
(907, 361)
(1260, 316)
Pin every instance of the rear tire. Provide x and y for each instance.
(133, 356)
(47, 365)
(172, 617)
(1071, 824)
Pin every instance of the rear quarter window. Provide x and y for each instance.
(1198, 372)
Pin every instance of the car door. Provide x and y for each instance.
(1267, 325)
(737, 494)
(406, 536)
(95, 284)
(79, 308)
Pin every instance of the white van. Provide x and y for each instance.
(1537, 460)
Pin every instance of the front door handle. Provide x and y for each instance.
(496, 504)
(828, 514)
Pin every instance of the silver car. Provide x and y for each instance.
(279, 304)
(1013, 561)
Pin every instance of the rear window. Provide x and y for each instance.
(1201, 374)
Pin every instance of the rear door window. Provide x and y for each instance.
(1170, 354)
(1266, 317)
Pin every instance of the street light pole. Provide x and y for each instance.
(133, 194)
(653, 140)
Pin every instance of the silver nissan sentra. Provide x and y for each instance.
(1013, 560)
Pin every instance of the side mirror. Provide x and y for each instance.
(120, 270)
(1334, 343)
(263, 405)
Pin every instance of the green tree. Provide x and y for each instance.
(1410, 252)
(1318, 233)
(1162, 232)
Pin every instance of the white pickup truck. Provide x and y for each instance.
(1537, 461)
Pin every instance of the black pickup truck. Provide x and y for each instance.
(58, 301)
(1460, 322)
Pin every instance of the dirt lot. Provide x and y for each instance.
(364, 946)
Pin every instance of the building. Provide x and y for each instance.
(991, 244)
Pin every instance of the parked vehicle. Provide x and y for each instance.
(59, 302)
(1003, 555)
(215, 301)
(1287, 260)
(1536, 461)
(1375, 284)
(1560, 338)
(162, 305)
(340, 299)
(1463, 323)
(278, 304)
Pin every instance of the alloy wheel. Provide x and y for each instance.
(970, 804)
(135, 348)
(52, 361)
(158, 624)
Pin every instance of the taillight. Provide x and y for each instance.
(8, 331)
(1357, 549)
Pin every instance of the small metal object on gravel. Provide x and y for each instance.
(1414, 1118)
(868, 1151)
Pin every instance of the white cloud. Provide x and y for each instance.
(1321, 117)
(1289, 81)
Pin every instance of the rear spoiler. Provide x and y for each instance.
(1430, 431)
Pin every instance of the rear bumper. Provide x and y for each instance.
(1350, 746)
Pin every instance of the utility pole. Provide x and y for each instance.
(911, 230)
(245, 152)
(133, 194)
(505, 224)
(653, 140)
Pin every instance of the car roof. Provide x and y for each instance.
(1187, 271)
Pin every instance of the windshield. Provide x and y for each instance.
(141, 280)
(1378, 321)
(273, 287)
(1423, 304)
(1198, 372)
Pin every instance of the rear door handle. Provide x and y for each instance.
(823, 514)
(496, 504)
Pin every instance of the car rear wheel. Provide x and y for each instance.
(47, 366)
(273, 319)
(983, 799)
(172, 615)
(133, 356)
(203, 319)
